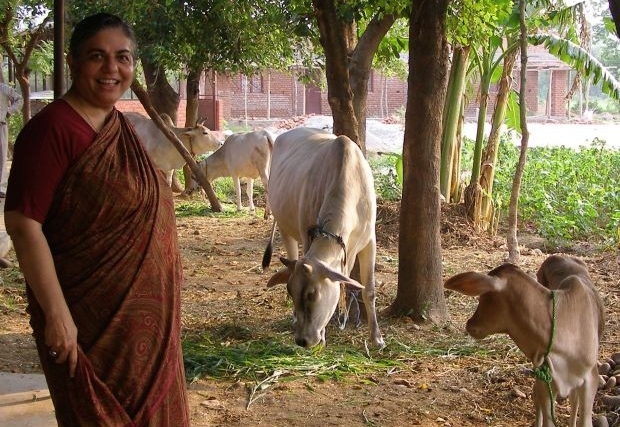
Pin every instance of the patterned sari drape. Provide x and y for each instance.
(111, 229)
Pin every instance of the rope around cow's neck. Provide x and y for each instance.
(543, 372)
(319, 230)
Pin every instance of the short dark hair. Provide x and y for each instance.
(91, 25)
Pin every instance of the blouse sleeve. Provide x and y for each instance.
(44, 149)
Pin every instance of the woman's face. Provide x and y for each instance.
(104, 69)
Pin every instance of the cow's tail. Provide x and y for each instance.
(269, 249)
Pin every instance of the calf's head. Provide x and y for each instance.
(494, 302)
(314, 288)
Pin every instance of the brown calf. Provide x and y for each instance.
(512, 302)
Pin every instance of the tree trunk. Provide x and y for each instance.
(489, 155)
(21, 75)
(420, 292)
(348, 62)
(164, 99)
(162, 95)
(191, 116)
(193, 92)
(511, 238)
(338, 39)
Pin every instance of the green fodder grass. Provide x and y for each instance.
(208, 355)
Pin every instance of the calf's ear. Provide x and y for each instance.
(474, 284)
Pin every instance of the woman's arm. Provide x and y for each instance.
(37, 265)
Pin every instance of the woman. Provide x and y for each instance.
(93, 227)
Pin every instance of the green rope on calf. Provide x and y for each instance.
(543, 372)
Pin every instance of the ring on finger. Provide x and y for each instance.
(52, 353)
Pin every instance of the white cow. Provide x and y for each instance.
(556, 323)
(243, 155)
(322, 195)
(163, 153)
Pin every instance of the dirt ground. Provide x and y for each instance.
(225, 288)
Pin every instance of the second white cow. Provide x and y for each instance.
(243, 155)
(322, 195)
(163, 153)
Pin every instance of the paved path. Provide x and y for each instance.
(25, 401)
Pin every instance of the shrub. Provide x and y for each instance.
(566, 194)
(384, 171)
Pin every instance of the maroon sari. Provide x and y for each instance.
(111, 229)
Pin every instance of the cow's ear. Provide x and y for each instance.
(474, 284)
(336, 276)
(281, 276)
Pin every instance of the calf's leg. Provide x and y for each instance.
(542, 404)
(583, 400)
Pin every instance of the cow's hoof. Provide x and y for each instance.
(379, 343)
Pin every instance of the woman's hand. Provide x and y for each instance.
(61, 339)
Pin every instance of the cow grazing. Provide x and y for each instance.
(512, 302)
(322, 195)
(243, 155)
(163, 153)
